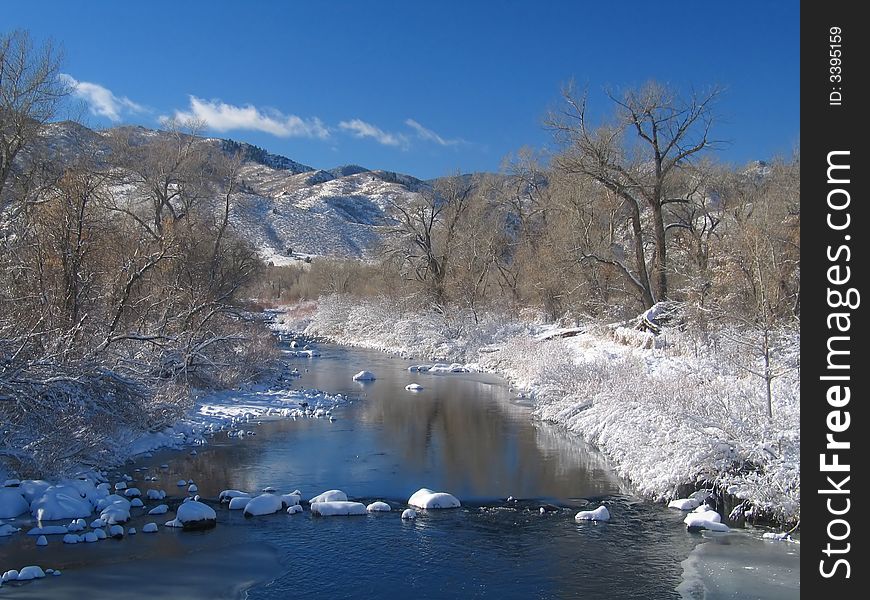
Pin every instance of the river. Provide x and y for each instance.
(466, 434)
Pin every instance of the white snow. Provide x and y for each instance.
(149, 528)
(77, 525)
(599, 514)
(290, 499)
(364, 376)
(12, 503)
(193, 512)
(704, 518)
(239, 502)
(155, 494)
(337, 508)
(409, 513)
(264, 504)
(413, 387)
(426, 499)
(30, 572)
(295, 508)
(115, 513)
(329, 496)
(378, 507)
(684, 503)
(60, 502)
(227, 495)
(49, 530)
(10, 575)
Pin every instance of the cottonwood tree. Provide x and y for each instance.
(30, 92)
(636, 156)
(423, 238)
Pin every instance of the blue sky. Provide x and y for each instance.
(421, 88)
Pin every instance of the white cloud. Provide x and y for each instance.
(100, 100)
(221, 116)
(361, 129)
(430, 136)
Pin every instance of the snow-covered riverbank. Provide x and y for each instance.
(229, 411)
(674, 414)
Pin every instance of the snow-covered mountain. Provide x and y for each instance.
(283, 204)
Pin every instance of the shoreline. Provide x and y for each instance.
(667, 421)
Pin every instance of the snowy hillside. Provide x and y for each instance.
(282, 204)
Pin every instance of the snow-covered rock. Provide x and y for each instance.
(121, 485)
(599, 514)
(227, 495)
(239, 502)
(155, 494)
(181, 482)
(77, 525)
(264, 504)
(291, 499)
(30, 572)
(705, 518)
(116, 531)
(339, 508)
(378, 507)
(684, 503)
(136, 503)
(100, 533)
(294, 509)
(132, 492)
(91, 537)
(10, 575)
(42, 541)
(149, 528)
(192, 489)
(60, 502)
(116, 513)
(196, 515)
(49, 530)
(364, 376)
(409, 513)
(427, 499)
(70, 538)
(7, 529)
(329, 496)
(413, 387)
(12, 503)
(160, 509)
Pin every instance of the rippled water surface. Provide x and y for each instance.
(464, 434)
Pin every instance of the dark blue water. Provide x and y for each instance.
(465, 434)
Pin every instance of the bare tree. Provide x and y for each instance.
(30, 91)
(635, 157)
(424, 235)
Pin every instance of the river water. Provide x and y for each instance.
(466, 434)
